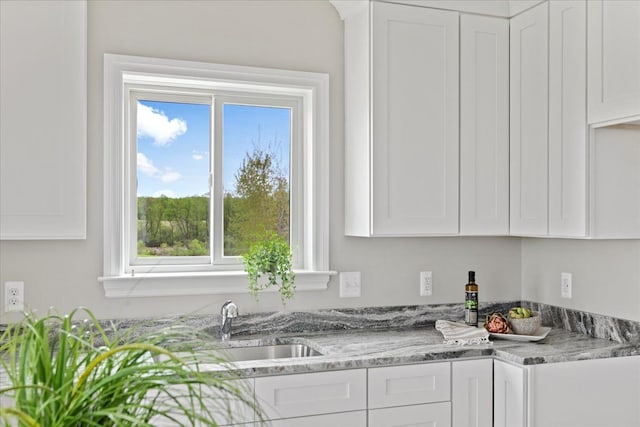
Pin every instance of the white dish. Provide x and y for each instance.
(540, 334)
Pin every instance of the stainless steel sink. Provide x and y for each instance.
(259, 352)
(262, 352)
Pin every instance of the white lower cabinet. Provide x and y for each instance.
(417, 395)
(226, 410)
(299, 395)
(587, 393)
(509, 402)
(431, 415)
(472, 393)
(409, 385)
(345, 419)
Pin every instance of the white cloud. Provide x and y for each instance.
(198, 155)
(170, 176)
(155, 124)
(146, 166)
(168, 193)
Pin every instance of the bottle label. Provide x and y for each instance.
(471, 308)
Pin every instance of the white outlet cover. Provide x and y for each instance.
(565, 285)
(426, 283)
(350, 286)
(13, 296)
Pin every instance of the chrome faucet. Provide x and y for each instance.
(229, 311)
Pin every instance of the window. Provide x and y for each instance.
(201, 160)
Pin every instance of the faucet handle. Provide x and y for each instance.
(229, 309)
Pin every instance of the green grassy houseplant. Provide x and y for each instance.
(268, 263)
(58, 372)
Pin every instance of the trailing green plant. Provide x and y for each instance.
(60, 373)
(271, 258)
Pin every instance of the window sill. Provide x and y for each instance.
(206, 283)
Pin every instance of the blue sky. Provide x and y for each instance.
(173, 144)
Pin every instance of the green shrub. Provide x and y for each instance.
(64, 373)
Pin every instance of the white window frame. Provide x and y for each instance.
(310, 172)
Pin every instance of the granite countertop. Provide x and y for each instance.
(364, 349)
(351, 338)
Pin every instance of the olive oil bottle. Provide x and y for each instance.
(471, 301)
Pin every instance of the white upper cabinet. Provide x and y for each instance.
(614, 60)
(567, 118)
(615, 182)
(401, 148)
(414, 120)
(413, 166)
(43, 120)
(484, 125)
(529, 122)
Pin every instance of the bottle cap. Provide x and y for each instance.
(472, 276)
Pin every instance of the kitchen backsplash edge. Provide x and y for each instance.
(388, 317)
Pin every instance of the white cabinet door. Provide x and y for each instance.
(590, 393)
(289, 396)
(472, 393)
(567, 118)
(529, 122)
(414, 120)
(225, 409)
(429, 415)
(615, 182)
(409, 384)
(614, 59)
(43, 129)
(345, 419)
(509, 394)
(484, 125)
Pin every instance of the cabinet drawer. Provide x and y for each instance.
(346, 419)
(409, 385)
(431, 415)
(311, 394)
(226, 409)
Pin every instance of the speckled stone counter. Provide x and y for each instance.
(362, 349)
(380, 336)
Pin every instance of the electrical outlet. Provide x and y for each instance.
(13, 296)
(350, 286)
(565, 285)
(426, 283)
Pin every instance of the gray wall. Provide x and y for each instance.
(606, 274)
(297, 35)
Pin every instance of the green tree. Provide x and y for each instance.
(260, 204)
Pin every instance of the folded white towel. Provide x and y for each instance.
(457, 333)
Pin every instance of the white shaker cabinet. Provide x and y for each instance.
(401, 121)
(410, 395)
(529, 122)
(472, 393)
(587, 393)
(433, 415)
(43, 119)
(509, 395)
(343, 419)
(614, 60)
(484, 125)
(615, 182)
(301, 395)
(567, 118)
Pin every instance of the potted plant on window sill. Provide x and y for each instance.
(269, 263)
